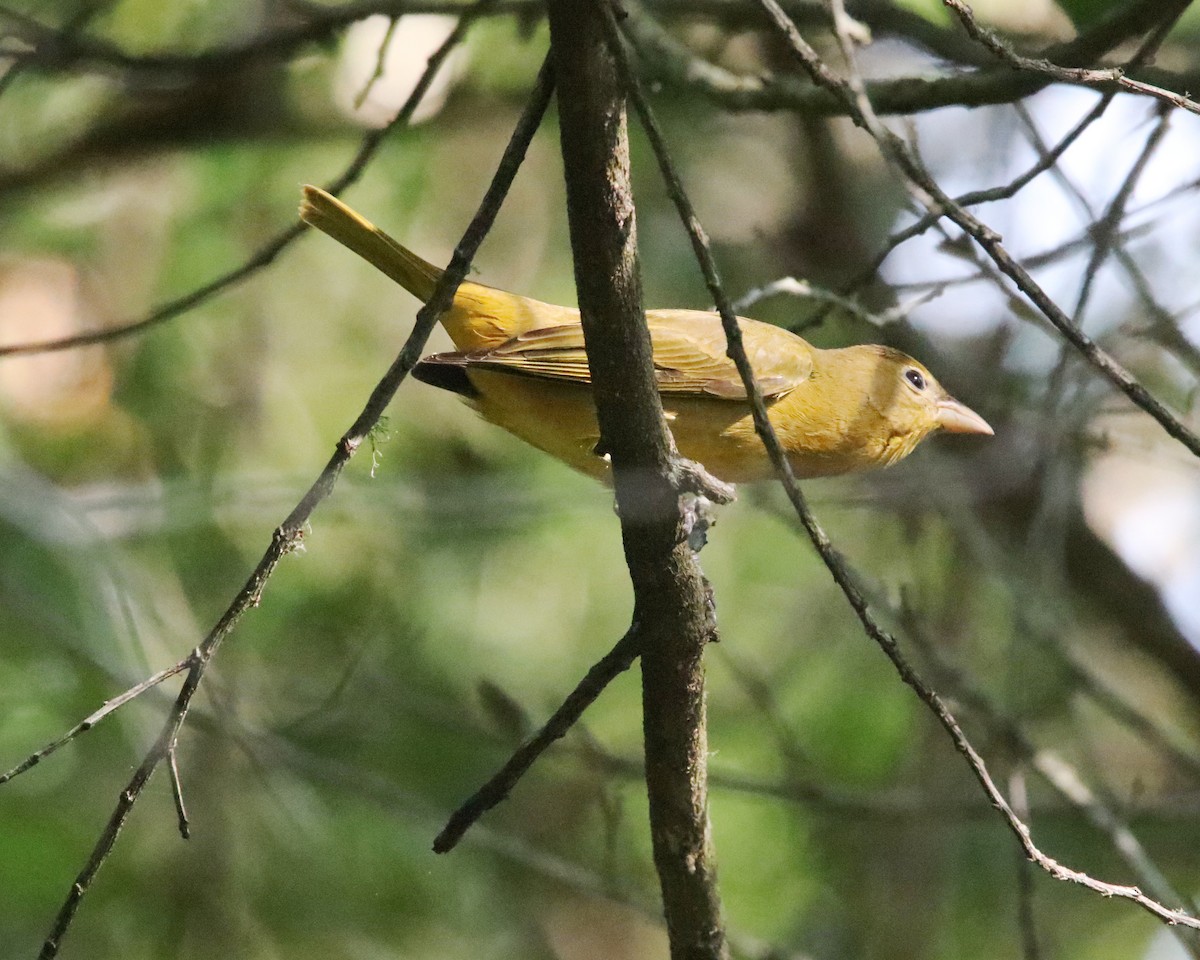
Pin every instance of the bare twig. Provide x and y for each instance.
(54, 49)
(86, 724)
(615, 662)
(185, 825)
(1067, 782)
(1052, 255)
(792, 287)
(1047, 160)
(1115, 77)
(129, 796)
(924, 189)
(1161, 326)
(380, 61)
(667, 59)
(290, 533)
(975, 197)
(57, 49)
(1104, 231)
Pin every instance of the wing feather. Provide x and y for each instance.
(689, 355)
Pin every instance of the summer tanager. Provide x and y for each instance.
(521, 364)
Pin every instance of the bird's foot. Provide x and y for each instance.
(699, 493)
(691, 477)
(698, 514)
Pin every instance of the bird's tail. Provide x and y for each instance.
(331, 216)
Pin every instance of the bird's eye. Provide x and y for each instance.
(915, 378)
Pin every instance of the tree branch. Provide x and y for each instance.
(665, 58)
(615, 662)
(1104, 79)
(671, 602)
(1065, 780)
(109, 706)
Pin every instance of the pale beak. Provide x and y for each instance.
(955, 417)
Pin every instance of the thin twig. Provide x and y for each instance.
(1115, 76)
(54, 49)
(666, 58)
(1162, 326)
(1047, 159)
(924, 189)
(614, 663)
(380, 61)
(1053, 255)
(129, 796)
(792, 287)
(974, 198)
(185, 825)
(86, 724)
(1065, 780)
(1104, 231)
(290, 534)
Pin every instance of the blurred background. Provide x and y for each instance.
(458, 584)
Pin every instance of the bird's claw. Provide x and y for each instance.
(699, 493)
(698, 515)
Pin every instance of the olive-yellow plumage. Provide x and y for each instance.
(521, 364)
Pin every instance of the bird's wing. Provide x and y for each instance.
(689, 355)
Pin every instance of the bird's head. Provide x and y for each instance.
(900, 401)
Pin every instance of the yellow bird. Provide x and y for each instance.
(521, 364)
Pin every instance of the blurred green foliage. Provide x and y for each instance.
(342, 722)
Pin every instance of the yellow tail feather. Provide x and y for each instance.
(331, 216)
(480, 317)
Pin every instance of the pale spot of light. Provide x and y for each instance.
(40, 300)
(975, 149)
(1157, 534)
(1147, 509)
(412, 42)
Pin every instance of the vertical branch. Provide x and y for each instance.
(671, 603)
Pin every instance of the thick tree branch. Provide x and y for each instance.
(665, 58)
(671, 602)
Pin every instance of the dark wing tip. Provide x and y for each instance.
(446, 371)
